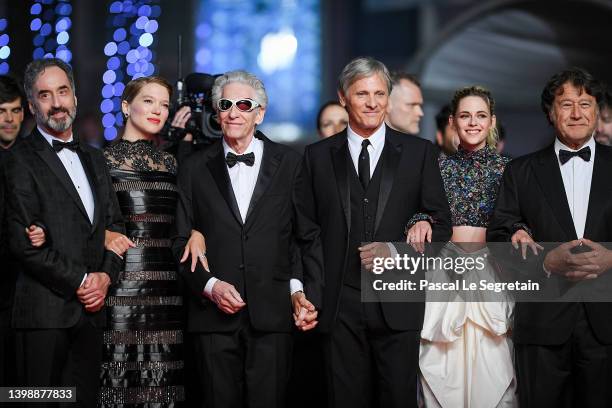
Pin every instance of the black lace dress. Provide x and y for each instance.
(143, 341)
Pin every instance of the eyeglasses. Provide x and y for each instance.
(243, 105)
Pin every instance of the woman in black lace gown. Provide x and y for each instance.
(143, 341)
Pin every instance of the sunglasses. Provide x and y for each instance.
(243, 105)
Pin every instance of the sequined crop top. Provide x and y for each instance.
(471, 181)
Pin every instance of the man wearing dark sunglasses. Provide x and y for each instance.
(240, 194)
(362, 185)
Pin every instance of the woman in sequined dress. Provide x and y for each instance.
(143, 341)
(466, 353)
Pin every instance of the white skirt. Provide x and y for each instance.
(466, 353)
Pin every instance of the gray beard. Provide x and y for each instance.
(56, 125)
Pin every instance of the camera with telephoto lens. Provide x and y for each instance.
(202, 124)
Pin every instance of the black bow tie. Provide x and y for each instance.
(231, 159)
(58, 146)
(584, 153)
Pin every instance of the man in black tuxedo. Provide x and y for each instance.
(562, 193)
(364, 184)
(54, 181)
(11, 116)
(240, 194)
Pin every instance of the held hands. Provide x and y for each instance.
(578, 260)
(368, 252)
(226, 297)
(93, 291)
(522, 238)
(417, 234)
(36, 235)
(196, 246)
(304, 312)
(117, 243)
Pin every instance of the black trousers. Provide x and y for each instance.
(7, 351)
(243, 368)
(368, 364)
(577, 373)
(68, 357)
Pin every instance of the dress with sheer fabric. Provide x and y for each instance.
(143, 341)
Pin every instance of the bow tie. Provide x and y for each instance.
(58, 146)
(584, 153)
(231, 159)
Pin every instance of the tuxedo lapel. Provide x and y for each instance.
(600, 190)
(270, 162)
(391, 157)
(218, 169)
(340, 161)
(48, 155)
(549, 177)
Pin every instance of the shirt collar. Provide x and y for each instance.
(560, 145)
(50, 138)
(377, 139)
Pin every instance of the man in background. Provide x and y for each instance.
(446, 136)
(11, 116)
(405, 108)
(603, 134)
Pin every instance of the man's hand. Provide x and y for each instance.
(93, 291)
(368, 252)
(522, 238)
(116, 242)
(570, 261)
(226, 297)
(304, 312)
(180, 121)
(36, 235)
(196, 246)
(417, 234)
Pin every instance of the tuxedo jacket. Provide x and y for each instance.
(258, 256)
(410, 183)
(532, 192)
(39, 190)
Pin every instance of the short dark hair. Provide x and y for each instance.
(606, 98)
(397, 76)
(36, 67)
(323, 107)
(10, 90)
(578, 77)
(442, 118)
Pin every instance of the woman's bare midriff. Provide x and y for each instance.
(469, 238)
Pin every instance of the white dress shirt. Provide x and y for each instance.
(243, 179)
(577, 175)
(75, 170)
(377, 143)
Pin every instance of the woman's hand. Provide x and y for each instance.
(522, 238)
(417, 234)
(36, 235)
(196, 246)
(116, 242)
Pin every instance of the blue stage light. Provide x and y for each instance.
(131, 26)
(47, 16)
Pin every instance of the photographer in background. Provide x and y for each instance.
(194, 125)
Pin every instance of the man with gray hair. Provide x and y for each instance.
(240, 193)
(56, 182)
(364, 185)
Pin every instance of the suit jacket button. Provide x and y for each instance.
(241, 266)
